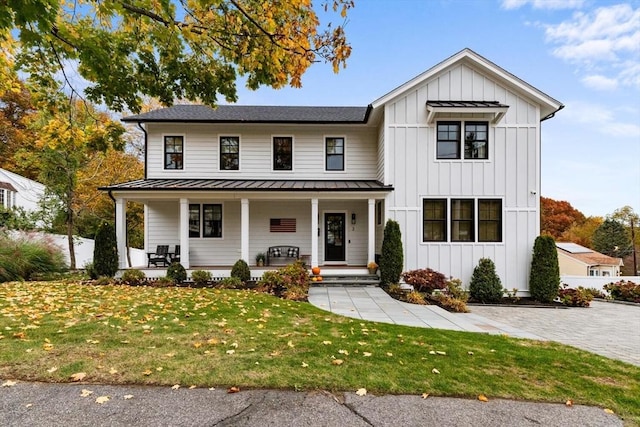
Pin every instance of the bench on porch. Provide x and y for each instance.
(282, 254)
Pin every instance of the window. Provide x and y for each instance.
(230, 153)
(173, 152)
(335, 154)
(476, 144)
(448, 146)
(194, 220)
(282, 153)
(379, 213)
(2, 197)
(476, 140)
(434, 218)
(489, 220)
(462, 220)
(211, 220)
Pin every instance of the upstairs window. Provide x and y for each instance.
(448, 146)
(334, 154)
(282, 153)
(173, 152)
(449, 141)
(476, 143)
(230, 153)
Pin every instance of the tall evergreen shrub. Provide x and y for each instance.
(485, 285)
(544, 278)
(241, 270)
(105, 251)
(392, 256)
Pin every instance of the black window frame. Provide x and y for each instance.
(429, 223)
(470, 138)
(335, 155)
(449, 139)
(495, 223)
(457, 222)
(282, 161)
(201, 225)
(175, 158)
(229, 160)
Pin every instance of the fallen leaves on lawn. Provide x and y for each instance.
(608, 411)
(361, 392)
(337, 362)
(569, 402)
(483, 398)
(175, 386)
(435, 371)
(52, 369)
(78, 376)
(305, 365)
(366, 354)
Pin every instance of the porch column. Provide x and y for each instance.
(371, 245)
(121, 231)
(314, 232)
(184, 233)
(244, 230)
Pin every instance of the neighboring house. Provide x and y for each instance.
(453, 155)
(18, 191)
(576, 260)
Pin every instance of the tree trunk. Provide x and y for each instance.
(72, 252)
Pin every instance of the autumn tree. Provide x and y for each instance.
(188, 49)
(68, 137)
(631, 221)
(582, 233)
(557, 216)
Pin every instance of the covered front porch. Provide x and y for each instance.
(331, 225)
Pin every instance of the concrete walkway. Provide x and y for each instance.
(611, 330)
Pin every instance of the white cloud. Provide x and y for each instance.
(606, 39)
(543, 4)
(601, 119)
(599, 82)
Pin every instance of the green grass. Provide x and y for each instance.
(209, 337)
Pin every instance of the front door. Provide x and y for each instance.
(334, 243)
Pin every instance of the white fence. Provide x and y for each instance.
(596, 282)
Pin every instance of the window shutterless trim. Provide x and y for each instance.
(468, 147)
(198, 221)
(448, 136)
(274, 156)
(458, 220)
(435, 222)
(231, 155)
(327, 155)
(495, 221)
(177, 157)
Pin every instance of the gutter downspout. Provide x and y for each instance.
(145, 148)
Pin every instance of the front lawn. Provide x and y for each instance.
(211, 337)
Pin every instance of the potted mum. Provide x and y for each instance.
(372, 267)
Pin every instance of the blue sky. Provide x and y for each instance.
(584, 53)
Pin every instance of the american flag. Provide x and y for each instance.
(282, 225)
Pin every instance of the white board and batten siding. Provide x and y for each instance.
(511, 174)
(202, 161)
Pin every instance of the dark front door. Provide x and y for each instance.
(334, 242)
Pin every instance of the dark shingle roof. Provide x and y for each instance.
(248, 185)
(7, 186)
(253, 114)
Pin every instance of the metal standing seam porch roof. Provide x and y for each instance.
(248, 185)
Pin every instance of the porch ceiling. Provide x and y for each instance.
(249, 185)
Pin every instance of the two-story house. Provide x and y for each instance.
(453, 155)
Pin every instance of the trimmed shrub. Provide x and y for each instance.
(241, 270)
(392, 256)
(544, 278)
(201, 277)
(624, 290)
(425, 280)
(133, 277)
(289, 282)
(571, 297)
(485, 285)
(455, 290)
(176, 272)
(230, 283)
(105, 252)
(415, 297)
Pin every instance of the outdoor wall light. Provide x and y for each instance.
(353, 219)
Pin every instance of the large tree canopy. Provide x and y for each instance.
(173, 49)
(557, 216)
